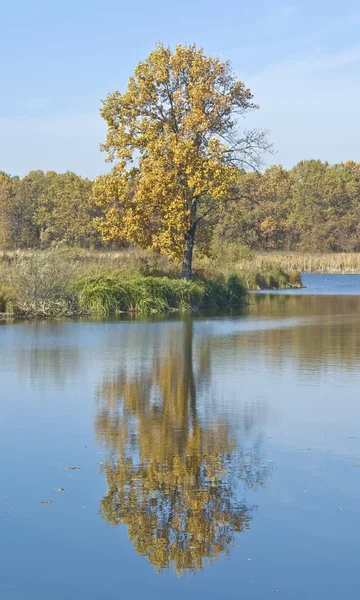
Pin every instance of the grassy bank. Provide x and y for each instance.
(68, 282)
(59, 282)
(106, 296)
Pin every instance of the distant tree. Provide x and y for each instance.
(176, 138)
(259, 218)
(18, 201)
(6, 201)
(65, 211)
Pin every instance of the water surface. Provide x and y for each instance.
(218, 457)
(325, 284)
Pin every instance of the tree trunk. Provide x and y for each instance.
(186, 272)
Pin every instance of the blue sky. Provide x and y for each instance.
(301, 60)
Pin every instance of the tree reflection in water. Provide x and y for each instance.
(177, 483)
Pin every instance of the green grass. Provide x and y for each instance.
(104, 296)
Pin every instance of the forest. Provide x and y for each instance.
(312, 207)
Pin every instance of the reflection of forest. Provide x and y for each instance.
(320, 332)
(176, 481)
(46, 354)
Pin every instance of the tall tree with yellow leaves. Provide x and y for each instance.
(175, 138)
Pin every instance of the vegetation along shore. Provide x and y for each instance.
(62, 281)
(186, 218)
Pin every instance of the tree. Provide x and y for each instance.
(176, 139)
(65, 211)
(259, 218)
(324, 207)
(6, 202)
(18, 201)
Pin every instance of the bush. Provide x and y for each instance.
(236, 292)
(41, 283)
(230, 294)
(6, 300)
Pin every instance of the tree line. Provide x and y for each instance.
(312, 207)
(42, 208)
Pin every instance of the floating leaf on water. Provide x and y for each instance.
(70, 468)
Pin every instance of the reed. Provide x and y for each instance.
(343, 262)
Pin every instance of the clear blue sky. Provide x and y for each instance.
(59, 59)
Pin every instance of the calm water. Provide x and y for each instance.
(326, 285)
(219, 457)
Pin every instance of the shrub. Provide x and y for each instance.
(230, 294)
(41, 283)
(6, 299)
(236, 292)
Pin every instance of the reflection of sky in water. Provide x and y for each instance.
(324, 284)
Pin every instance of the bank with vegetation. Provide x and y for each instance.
(63, 282)
(185, 219)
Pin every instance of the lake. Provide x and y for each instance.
(213, 456)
